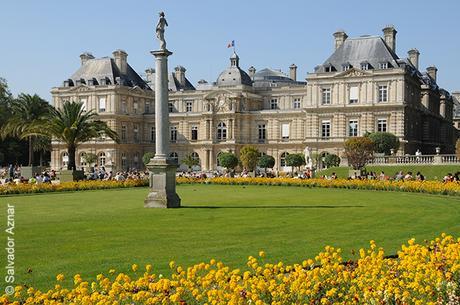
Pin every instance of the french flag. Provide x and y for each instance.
(231, 44)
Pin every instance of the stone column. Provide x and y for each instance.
(162, 169)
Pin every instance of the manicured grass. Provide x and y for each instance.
(89, 232)
(431, 172)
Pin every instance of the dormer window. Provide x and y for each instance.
(346, 67)
(383, 65)
(364, 66)
(329, 68)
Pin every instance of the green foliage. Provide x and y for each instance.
(266, 161)
(90, 158)
(384, 142)
(147, 156)
(457, 148)
(29, 115)
(249, 156)
(331, 160)
(190, 161)
(72, 125)
(359, 151)
(295, 160)
(228, 160)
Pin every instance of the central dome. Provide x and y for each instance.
(233, 75)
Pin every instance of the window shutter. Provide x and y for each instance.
(354, 93)
(102, 103)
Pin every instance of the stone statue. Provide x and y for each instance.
(307, 155)
(162, 23)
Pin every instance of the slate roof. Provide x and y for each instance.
(269, 77)
(105, 68)
(354, 51)
(233, 75)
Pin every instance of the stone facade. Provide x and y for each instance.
(362, 87)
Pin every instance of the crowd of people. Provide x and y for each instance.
(12, 174)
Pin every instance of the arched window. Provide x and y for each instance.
(195, 156)
(65, 159)
(221, 131)
(217, 158)
(102, 159)
(175, 157)
(283, 159)
(82, 159)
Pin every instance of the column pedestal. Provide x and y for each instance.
(162, 180)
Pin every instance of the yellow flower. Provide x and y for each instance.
(261, 253)
(60, 277)
(134, 267)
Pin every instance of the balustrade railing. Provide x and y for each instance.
(414, 159)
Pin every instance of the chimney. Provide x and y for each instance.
(85, 57)
(121, 60)
(180, 74)
(389, 35)
(251, 71)
(432, 72)
(293, 72)
(413, 57)
(340, 37)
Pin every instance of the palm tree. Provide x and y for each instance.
(29, 113)
(42, 145)
(73, 125)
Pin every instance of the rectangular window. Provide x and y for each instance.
(124, 161)
(382, 125)
(383, 94)
(84, 107)
(188, 106)
(326, 96)
(135, 107)
(296, 103)
(102, 104)
(325, 130)
(123, 132)
(124, 106)
(262, 132)
(171, 107)
(136, 133)
(353, 128)
(273, 103)
(285, 131)
(152, 134)
(365, 66)
(173, 131)
(147, 107)
(354, 92)
(194, 133)
(383, 65)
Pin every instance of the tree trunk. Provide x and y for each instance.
(71, 151)
(31, 152)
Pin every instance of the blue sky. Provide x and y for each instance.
(42, 40)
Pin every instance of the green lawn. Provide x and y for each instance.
(89, 232)
(431, 172)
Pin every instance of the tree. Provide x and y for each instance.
(331, 160)
(249, 155)
(384, 142)
(295, 160)
(228, 160)
(29, 113)
(147, 156)
(42, 145)
(359, 151)
(191, 161)
(73, 125)
(90, 158)
(266, 161)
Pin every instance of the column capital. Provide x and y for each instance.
(161, 53)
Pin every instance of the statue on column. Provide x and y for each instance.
(162, 23)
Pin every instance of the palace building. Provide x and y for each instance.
(363, 86)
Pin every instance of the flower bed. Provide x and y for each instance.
(432, 187)
(26, 188)
(427, 273)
